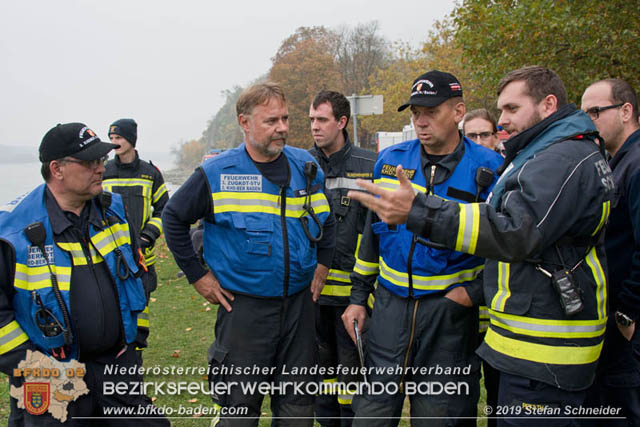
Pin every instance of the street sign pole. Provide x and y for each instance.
(363, 105)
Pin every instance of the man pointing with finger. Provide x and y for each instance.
(426, 303)
(268, 240)
(545, 278)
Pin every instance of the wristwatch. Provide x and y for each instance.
(623, 320)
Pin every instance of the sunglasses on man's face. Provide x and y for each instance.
(89, 164)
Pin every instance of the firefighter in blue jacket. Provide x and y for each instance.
(426, 303)
(267, 227)
(545, 278)
(69, 280)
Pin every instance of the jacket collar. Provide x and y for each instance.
(514, 145)
(633, 139)
(338, 157)
(59, 221)
(133, 165)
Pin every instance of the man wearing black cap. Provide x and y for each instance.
(81, 300)
(144, 195)
(545, 278)
(425, 318)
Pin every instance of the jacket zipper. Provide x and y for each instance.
(410, 275)
(113, 283)
(415, 238)
(285, 238)
(411, 337)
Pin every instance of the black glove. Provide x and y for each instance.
(145, 243)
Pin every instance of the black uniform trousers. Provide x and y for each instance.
(335, 348)
(445, 336)
(263, 341)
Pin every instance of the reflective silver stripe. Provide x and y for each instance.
(128, 182)
(601, 282)
(339, 275)
(365, 268)
(159, 193)
(468, 228)
(109, 238)
(500, 298)
(292, 203)
(341, 182)
(34, 278)
(429, 282)
(5, 339)
(560, 327)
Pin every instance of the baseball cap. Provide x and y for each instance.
(432, 89)
(75, 140)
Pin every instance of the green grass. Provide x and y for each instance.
(181, 331)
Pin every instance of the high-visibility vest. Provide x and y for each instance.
(32, 280)
(257, 245)
(432, 270)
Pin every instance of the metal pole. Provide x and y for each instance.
(354, 113)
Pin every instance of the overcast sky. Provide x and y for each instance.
(163, 63)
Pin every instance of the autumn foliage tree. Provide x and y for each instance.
(582, 41)
(303, 66)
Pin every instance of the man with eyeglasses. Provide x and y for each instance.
(612, 104)
(141, 185)
(69, 284)
(481, 128)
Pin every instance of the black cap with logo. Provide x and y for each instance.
(432, 89)
(73, 140)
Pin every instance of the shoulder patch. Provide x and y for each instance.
(9, 207)
(390, 170)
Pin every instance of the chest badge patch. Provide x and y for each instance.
(390, 170)
(241, 182)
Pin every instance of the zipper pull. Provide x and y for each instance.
(433, 175)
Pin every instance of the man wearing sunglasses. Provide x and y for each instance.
(612, 104)
(69, 283)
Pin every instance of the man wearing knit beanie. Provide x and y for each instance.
(144, 194)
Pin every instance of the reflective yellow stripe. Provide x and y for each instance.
(159, 193)
(468, 227)
(548, 328)
(365, 268)
(601, 282)
(77, 254)
(143, 318)
(370, 301)
(330, 380)
(336, 290)
(339, 276)
(393, 184)
(345, 399)
(541, 353)
(11, 336)
(149, 257)
(107, 240)
(32, 278)
(606, 209)
(156, 222)
(483, 318)
(146, 188)
(500, 298)
(266, 203)
(429, 283)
